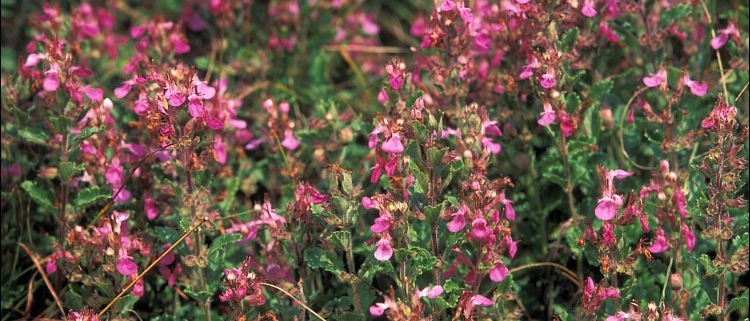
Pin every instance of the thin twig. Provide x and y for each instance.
(295, 299)
(567, 273)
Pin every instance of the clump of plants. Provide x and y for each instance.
(348, 160)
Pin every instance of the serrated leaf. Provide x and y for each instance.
(200, 296)
(36, 137)
(569, 39)
(572, 101)
(40, 195)
(316, 258)
(677, 12)
(435, 156)
(421, 184)
(90, 195)
(221, 241)
(600, 89)
(346, 183)
(69, 169)
(738, 302)
(552, 175)
(340, 239)
(420, 131)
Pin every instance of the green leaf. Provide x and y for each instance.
(316, 258)
(69, 169)
(600, 89)
(421, 184)
(39, 194)
(232, 186)
(572, 102)
(340, 239)
(346, 183)
(419, 130)
(221, 241)
(37, 137)
(410, 101)
(90, 195)
(127, 302)
(349, 316)
(433, 214)
(201, 62)
(678, 12)
(8, 59)
(554, 175)
(569, 40)
(200, 296)
(740, 302)
(435, 156)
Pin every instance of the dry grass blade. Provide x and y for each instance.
(44, 277)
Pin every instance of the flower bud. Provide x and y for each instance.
(675, 281)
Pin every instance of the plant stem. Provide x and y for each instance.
(197, 240)
(355, 285)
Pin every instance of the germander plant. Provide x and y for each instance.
(340, 160)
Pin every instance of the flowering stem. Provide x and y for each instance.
(574, 218)
(196, 237)
(151, 266)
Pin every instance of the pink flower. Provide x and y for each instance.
(458, 223)
(220, 152)
(606, 209)
(499, 272)
(656, 79)
(588, 9)
(490, 145)
(528, 69)
(447, 5)
(548, 115)
(720, 40)
(393, 145)
(698, 89)
(689, 237)
(150, 208)
(679, 199)
(378, 309)
(511, 245)
(126, 266)
(289, 141)
(382, 96)
(431, 292)
(383, 250)
(381, 225)
(396, 80)
(479, 230)
(51, 80)
(480, 300)
(660, 243)
(548, 79)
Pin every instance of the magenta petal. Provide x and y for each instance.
(381, 225)
(652, 81)
(393, 145)
(457, 223)
(498, 273)
(51, 81)
(383, 250)
(481, 300)
(606, 210)
(126, 266)
(289, 141)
